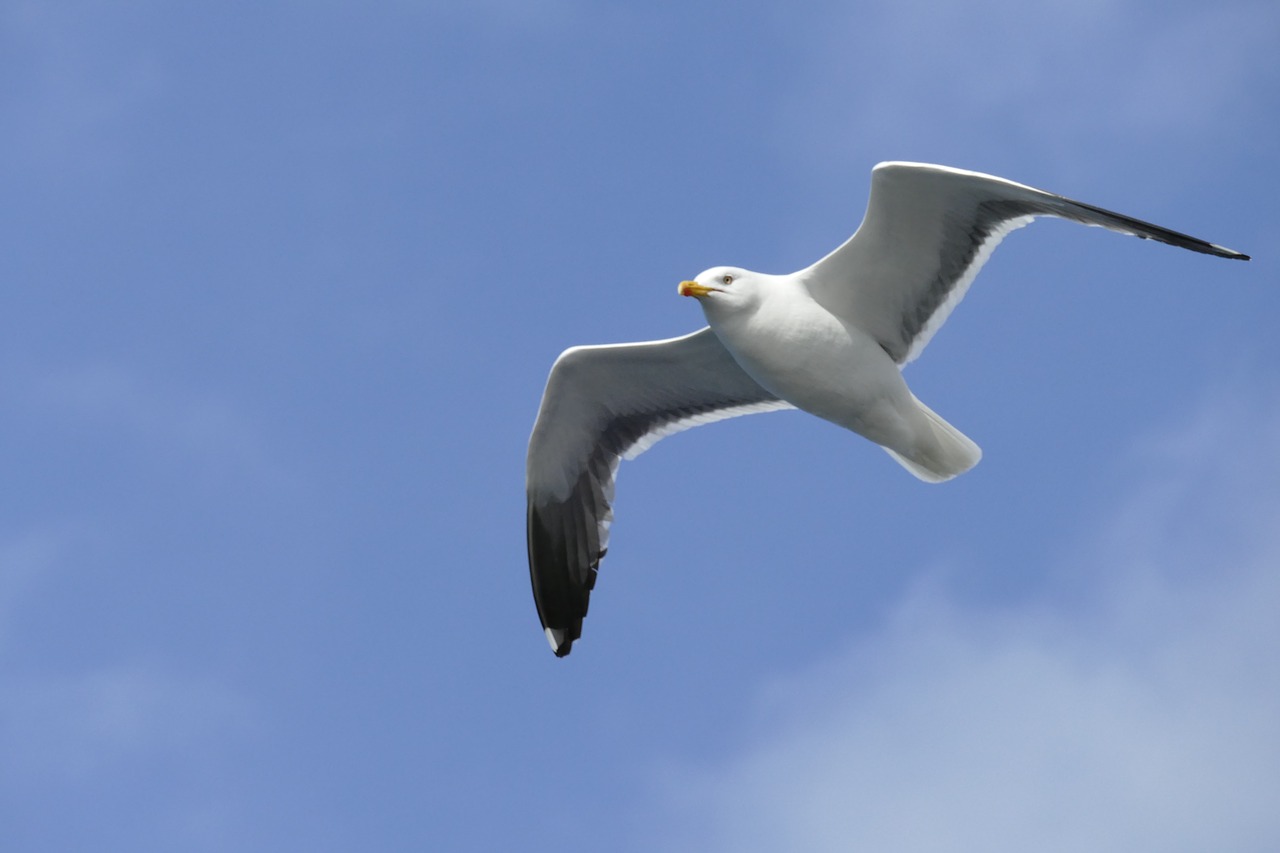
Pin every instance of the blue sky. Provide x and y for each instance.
(282, 285)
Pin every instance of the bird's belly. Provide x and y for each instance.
(831, 370)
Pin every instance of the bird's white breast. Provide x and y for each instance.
(806, 355)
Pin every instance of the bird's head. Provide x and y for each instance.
(724, 288)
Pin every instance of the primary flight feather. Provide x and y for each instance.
(830, 339)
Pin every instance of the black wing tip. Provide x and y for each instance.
(1219, 251)
(1204, 247)
(1150, 231)
(561, 640)
(561, 600)
(1207, 248)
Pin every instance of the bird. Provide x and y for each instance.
(830, 339)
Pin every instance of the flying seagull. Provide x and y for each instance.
(830, 339)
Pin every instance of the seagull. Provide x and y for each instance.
(830, 340)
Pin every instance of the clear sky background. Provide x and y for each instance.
(281, 285)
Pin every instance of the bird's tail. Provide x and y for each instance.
(944, 453)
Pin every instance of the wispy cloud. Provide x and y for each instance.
(58, 728)
(163, 421)
(72, 722)
(1137, 712)
(81, 723)
(74, 98)
(995, 76)
(22, 561)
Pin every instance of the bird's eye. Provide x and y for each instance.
(727, 279)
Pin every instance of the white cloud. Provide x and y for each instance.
(1135, 710)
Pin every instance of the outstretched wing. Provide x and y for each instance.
(927, 232)
(604, 404)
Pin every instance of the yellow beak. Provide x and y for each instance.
(692, 288)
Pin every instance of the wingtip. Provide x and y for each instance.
(557, 640)
(1224, 252)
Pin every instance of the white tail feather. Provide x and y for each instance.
(945, 454)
